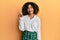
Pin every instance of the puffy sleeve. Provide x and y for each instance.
(21, 24)
(39, 29)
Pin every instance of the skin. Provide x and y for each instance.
(30, 11)
(20, 14)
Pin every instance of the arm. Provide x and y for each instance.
(39, 30)
(21, 24)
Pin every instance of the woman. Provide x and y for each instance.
(29, 22)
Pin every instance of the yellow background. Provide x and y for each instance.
(49, 14)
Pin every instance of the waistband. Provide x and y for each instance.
(29, 31)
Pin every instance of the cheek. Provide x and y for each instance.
(32, 9)
(28, 10)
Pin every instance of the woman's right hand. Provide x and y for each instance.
(20, 14)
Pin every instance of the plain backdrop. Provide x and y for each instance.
(49, 14)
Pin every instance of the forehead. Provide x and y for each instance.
(29, 5)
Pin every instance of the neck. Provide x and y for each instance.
(31, 16)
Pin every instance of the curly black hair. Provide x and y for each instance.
(25, 7)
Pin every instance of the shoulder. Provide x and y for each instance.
(37, 17)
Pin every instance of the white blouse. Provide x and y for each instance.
(25, 23)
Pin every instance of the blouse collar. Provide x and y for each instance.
(32, 18)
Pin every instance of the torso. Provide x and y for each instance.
(30, 24)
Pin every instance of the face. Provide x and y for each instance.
(30, 9)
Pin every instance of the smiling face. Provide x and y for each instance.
(30, 9)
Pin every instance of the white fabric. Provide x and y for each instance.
(25, 23)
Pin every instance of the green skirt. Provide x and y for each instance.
(27, 35)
